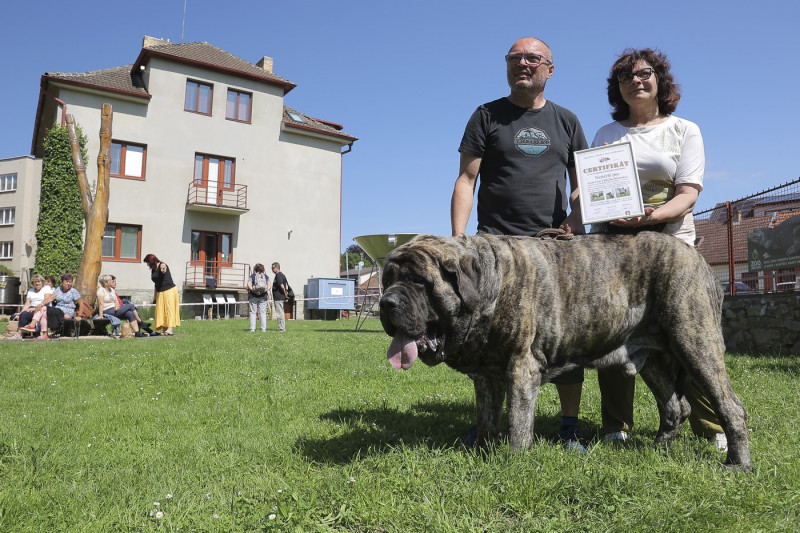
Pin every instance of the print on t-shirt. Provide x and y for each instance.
(532, 141)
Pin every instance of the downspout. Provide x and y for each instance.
(341, 211)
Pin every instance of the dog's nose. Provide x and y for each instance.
(389, 302)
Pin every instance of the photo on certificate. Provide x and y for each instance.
(608, 183)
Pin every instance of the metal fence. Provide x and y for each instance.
(754, 241)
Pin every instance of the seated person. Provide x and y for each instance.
(64, 303)
(108, 304)
(34, 312)
(144, 326)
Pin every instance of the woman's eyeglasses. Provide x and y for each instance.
(643, 74)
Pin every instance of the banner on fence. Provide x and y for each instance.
(774, 248)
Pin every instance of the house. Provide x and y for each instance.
(718, 246)
(210, 170)
(20, 182)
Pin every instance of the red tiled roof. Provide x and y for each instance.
(314, 125)
(117, 79)
(713, 236)
(211, 57)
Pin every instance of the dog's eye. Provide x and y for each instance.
(419, 280)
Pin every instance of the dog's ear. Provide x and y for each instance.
(467, 274)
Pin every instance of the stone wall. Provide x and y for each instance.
(762, 323)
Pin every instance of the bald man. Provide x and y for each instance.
(521, 146)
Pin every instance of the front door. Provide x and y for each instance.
(211, 252)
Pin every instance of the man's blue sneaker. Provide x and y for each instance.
(570, 437)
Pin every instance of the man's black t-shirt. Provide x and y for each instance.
(525, 154)
(277, 293)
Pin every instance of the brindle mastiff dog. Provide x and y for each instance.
(516, 311)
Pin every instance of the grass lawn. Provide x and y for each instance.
(218, 429)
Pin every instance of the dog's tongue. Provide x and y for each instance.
(402, 352)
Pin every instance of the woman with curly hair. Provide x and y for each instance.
(167, 313)
(670, 159)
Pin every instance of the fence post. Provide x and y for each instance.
(731, 264)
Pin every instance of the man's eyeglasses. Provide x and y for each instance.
(530, 59)
(643, 74)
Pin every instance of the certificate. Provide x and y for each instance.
(608, 183)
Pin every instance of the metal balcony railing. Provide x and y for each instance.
(204, 197)
(225, 275)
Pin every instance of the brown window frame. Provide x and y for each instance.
(201, 252)
(123, 153)
(202, 182)
(197, 97)
(238, 94)
(118, 243)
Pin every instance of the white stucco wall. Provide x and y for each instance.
(293, 180)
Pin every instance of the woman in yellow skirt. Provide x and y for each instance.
(168, 313)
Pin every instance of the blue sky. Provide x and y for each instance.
(404, 78)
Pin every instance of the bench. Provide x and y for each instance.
(94, 326)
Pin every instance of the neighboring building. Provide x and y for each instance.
(210, 170)
(20, 179)
(712, 240)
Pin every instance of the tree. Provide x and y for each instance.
(95, 209)
(353, 254)
(59, 231)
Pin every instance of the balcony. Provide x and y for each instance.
(210, 198)
(226, 275)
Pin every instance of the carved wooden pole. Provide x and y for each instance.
(95, 212)
(80, 168)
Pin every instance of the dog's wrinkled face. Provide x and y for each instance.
(430, 292)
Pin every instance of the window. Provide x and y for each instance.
(297, 117)
(215, 174)
(122, 242)
(6, 250)
(127, 160)
(238, 106)
(198, 97)
(7, 216)
(8, 182)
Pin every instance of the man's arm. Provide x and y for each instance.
(464, 193)
(573, 223)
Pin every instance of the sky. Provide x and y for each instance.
(404, 77)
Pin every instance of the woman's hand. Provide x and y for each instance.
(646, 220)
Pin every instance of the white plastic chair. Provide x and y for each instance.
(231, 300)
(220, 298)
(207, 303)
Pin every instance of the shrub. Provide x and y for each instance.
(59, 233)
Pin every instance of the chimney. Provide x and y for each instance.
(150, 42)
(265, 63)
